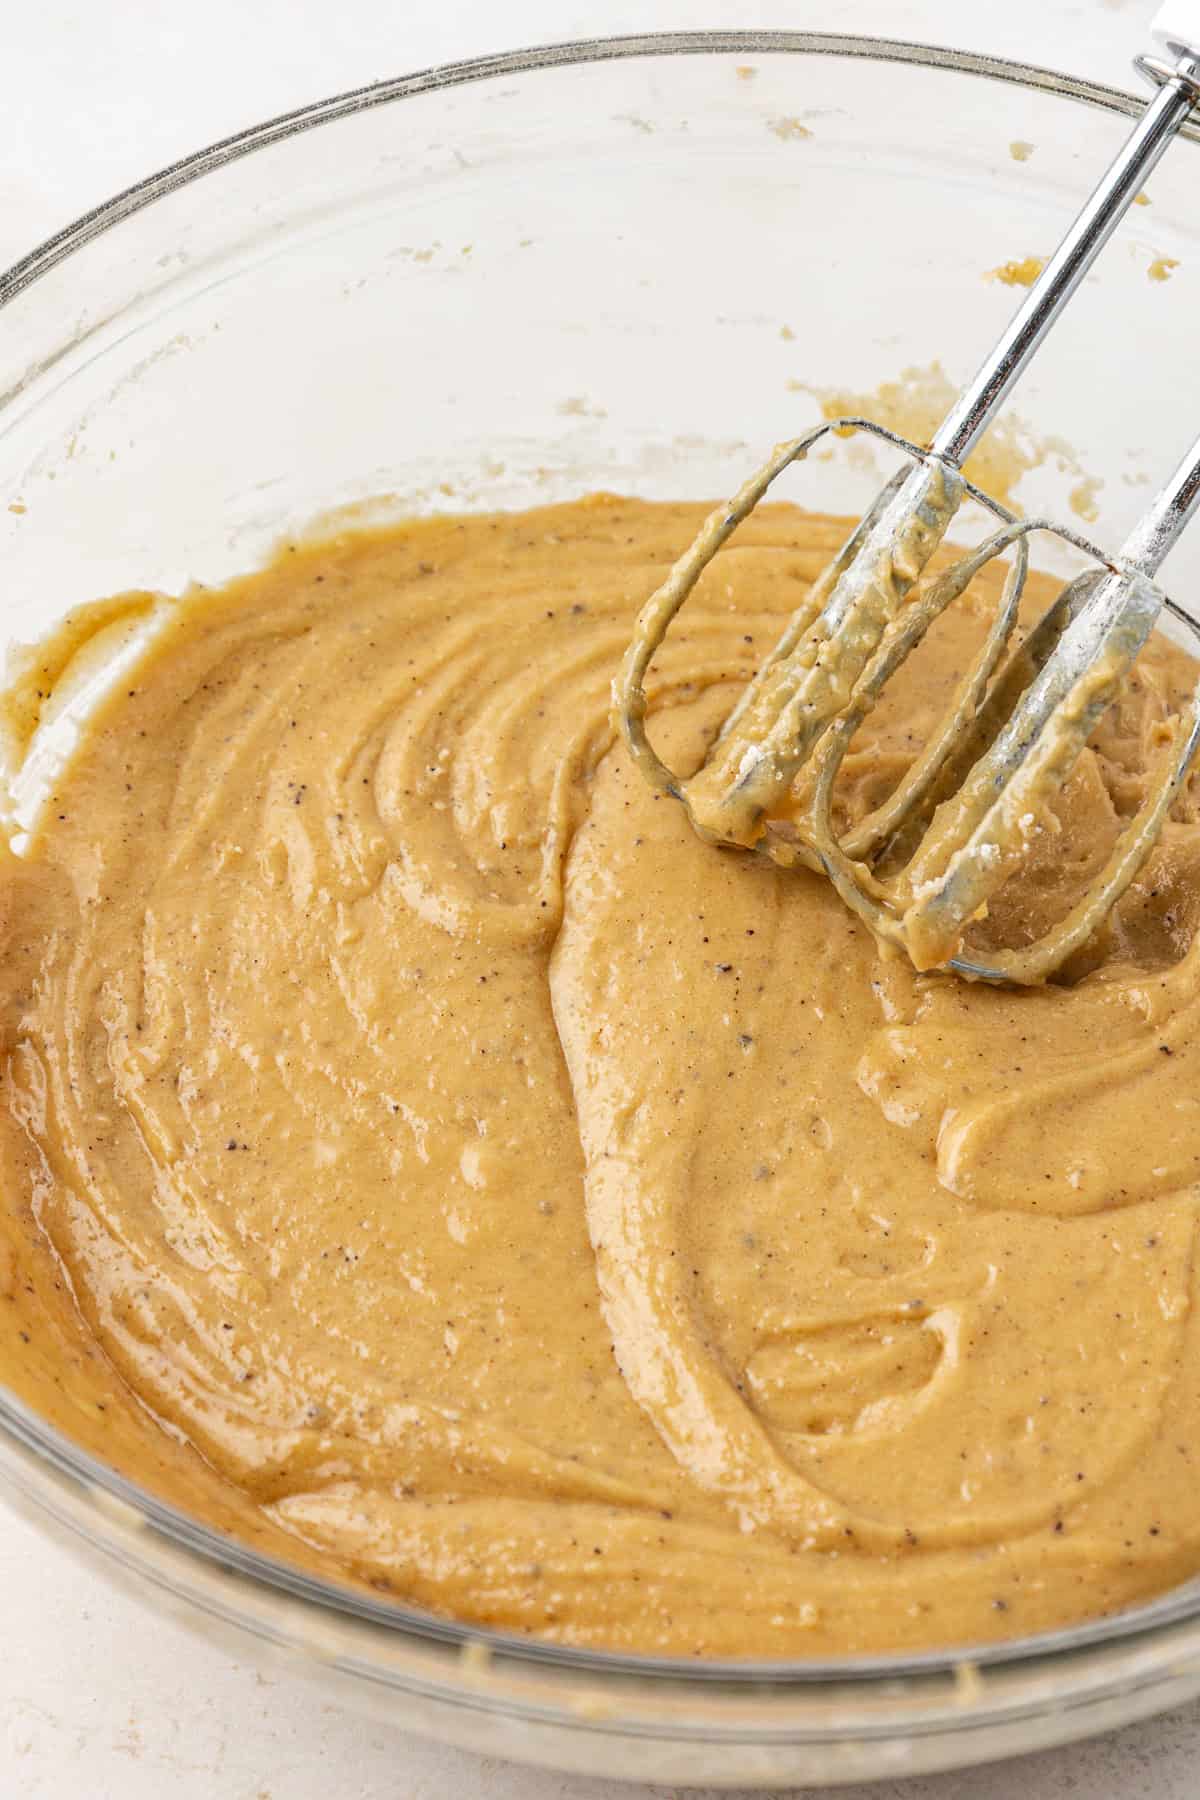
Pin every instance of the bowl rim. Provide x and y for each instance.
(572, 52)
(34, 1454)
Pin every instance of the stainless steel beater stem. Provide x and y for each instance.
(1099, 218)
(1168, 513)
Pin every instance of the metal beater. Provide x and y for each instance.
(922, 867)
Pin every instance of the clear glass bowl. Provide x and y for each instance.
(622, 264)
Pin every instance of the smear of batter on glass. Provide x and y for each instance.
(914, 405)
(425, 1160)
(1018, 271)
(789, 130)
(1083, 498)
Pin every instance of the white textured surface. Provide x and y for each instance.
(99, 1700)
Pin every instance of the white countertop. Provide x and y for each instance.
(98, 1699)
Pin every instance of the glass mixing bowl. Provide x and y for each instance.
(632, 264)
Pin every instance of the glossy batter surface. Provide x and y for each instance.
(424, 1158)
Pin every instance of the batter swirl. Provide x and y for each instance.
(459, 1178)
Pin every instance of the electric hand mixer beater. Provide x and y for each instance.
(924, 864)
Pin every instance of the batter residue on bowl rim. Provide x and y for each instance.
(425, 1159)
